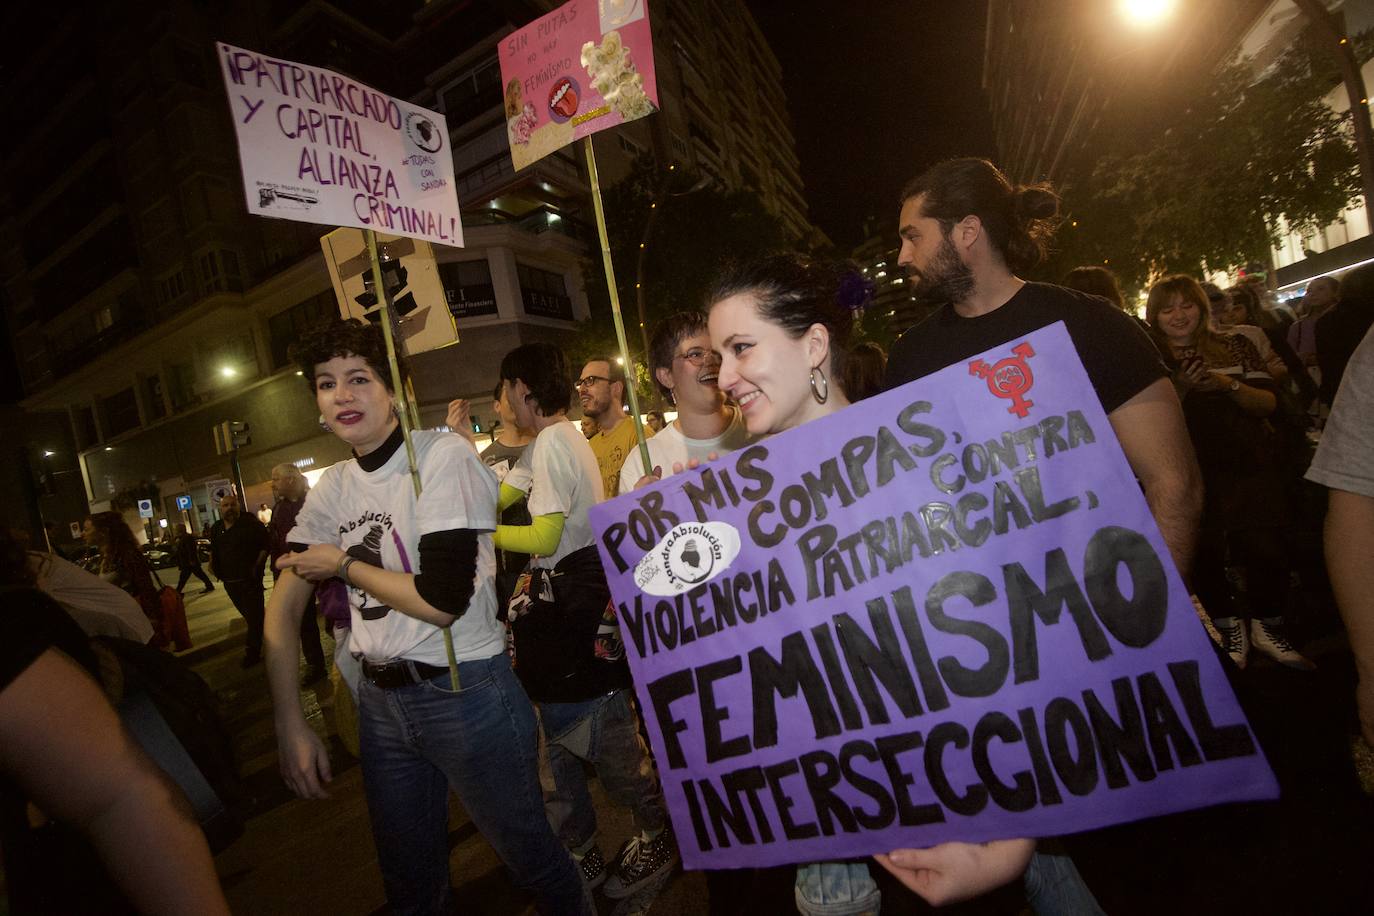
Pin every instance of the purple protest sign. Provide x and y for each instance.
(944, 613)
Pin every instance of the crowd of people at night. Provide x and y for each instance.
(472, 623)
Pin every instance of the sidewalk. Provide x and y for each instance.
(308, 857)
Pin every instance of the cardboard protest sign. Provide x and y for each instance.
(584, 67)
(319, 147)
(411, 277)
(944, 613)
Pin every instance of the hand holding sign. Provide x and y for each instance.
(952, 872)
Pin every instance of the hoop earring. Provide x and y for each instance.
(820, 392)
(325, 426)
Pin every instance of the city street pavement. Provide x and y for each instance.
(308, 857)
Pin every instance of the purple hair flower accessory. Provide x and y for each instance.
(856, 292)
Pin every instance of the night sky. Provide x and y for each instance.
(877, 91)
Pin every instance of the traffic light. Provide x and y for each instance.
(395, 276)
(239, 434)
(230, 435)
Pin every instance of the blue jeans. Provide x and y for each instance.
(837, 889)
(1055, 888)
(421, 739)
(605, 733)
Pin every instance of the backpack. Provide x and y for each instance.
(174, 716)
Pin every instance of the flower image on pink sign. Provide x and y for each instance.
(943, 613)
(584, 67)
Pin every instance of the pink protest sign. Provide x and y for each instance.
(944, 613)
(584, 67)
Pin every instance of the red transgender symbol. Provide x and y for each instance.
(1011, 378)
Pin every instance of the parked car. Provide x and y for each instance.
(159, 556)
(88, 558)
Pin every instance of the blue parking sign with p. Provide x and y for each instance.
(183, 503)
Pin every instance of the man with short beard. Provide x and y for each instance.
(238, 557)
(965, 231)
(601, 389)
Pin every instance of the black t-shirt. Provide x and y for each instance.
(1118, 356)
(234, 551)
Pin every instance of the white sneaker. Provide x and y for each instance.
(1233, 638)
(1271, 637)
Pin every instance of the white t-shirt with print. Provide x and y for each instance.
(376, 517)
(669, 445)
(559, 472)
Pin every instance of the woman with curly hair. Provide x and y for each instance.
(123, 564)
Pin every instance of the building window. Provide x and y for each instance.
(467, 288)
(544, 293)
(473, 93)
(83, 426)
(181, 379)
(103, 318)
(173, 288)
(287, 327)
(121, 413)
(219, 272)
(480, 175)
(152, 398)
(629, 146)
(681, 151)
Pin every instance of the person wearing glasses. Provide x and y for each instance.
(601, 390)
(685, 368)
(568, 650)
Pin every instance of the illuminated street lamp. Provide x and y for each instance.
(1146, 13)
(228, 371)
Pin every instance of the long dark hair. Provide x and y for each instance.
(794, 292)
(1019, 220)
(118, 549)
